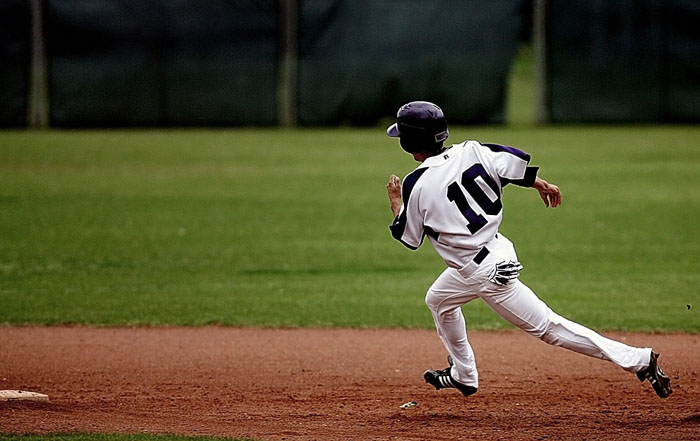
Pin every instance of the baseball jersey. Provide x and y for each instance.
(454, 198)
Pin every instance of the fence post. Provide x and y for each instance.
(541, 63)
(288, 63)
(38, 88)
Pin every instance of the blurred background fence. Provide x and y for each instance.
(78, 63)
(624, 60)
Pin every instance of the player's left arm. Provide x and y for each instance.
(513, 167)
(550, 193)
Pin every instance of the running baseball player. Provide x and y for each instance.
(454, 197)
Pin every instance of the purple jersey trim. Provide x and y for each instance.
(527, 181)
(512, 150)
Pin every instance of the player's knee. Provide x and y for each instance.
(548, 336)
(432, 300)
(551, 330)
(437, 303)
(543, 329)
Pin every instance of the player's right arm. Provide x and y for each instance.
(550, 193)
(407, 227)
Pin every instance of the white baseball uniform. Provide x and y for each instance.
(454, 198)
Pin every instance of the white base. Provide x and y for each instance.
(22, 395)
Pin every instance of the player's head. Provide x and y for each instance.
(420, 126)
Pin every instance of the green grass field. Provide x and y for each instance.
(271, 227)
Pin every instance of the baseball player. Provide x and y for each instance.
(454, 197)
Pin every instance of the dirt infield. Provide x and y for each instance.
(337, 384)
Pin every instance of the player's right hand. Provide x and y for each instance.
(393, 188)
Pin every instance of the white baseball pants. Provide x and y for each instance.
(516, 303)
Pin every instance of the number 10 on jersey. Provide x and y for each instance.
(475, 221)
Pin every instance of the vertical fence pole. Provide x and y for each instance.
(38, 90)
(288, 63)
(542, 92)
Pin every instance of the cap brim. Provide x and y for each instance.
(393, 131)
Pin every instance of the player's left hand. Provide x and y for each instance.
(550, 193)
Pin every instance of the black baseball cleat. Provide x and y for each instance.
(659, 381)
(442, 379)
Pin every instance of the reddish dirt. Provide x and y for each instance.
(335, 384)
